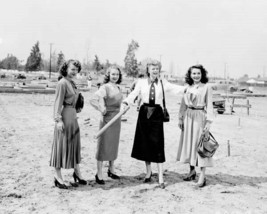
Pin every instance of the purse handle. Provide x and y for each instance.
(163, 99)
(209, 135)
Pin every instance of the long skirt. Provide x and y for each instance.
(66, 148)
(108, 142)
(194, 123)
(149, 136)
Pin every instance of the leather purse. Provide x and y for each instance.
(207, 145)
(166, 116)
(80, 102)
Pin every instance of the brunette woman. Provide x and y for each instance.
(195, 118)
(66, 148)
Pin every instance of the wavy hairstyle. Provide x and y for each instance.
(204, 78)
(155, 63)
(107, 75)
(63, 69)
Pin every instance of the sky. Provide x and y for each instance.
(228, 37)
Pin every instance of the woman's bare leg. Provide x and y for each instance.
(148, 169)
(58, 175)
(99, 170)
(202, 175)
(111, 167)
(160, 170)
(78, 171)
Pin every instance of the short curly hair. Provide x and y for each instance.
(154, 63)
(107, 75)
(204, 78)
(65, 65)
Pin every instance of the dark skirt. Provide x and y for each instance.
(149, 136)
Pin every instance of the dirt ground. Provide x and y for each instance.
(237, 183)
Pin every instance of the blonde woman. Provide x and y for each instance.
(108, 100)
(149, 135)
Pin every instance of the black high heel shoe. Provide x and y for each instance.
(59, 185)
(202, 184)
(97, 180)
(80, 181)
(190, 177)
(162, 185)
(113, 176)
(148, 180)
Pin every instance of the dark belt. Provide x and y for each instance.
(150, 105)
(68, 106)
(196, 108)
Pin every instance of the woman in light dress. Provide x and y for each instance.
(195, 118)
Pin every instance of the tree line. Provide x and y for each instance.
(36, 61)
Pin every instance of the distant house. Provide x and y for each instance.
(243, 80)
(252, 81)
(262, 81)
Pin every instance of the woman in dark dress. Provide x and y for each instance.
(149, 136)
(66, 148)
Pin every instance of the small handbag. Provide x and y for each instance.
(207, 146)
(166, 116)
(80, 102)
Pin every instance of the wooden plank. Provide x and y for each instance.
(240, 105)
(234, 96)
(101, 131)
(251, 94)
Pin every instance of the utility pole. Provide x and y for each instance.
(225, 71)
(50, 67)
(226, 80)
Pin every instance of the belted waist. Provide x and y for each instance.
(196, 108)
(116, 108)
(151, 105)
(66, 105)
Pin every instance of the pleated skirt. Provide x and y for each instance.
(149, 136)
(66, 148)
(108, 142)
(194, 123)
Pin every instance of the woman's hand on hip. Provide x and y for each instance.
(60, 126)
(123, 107)
(103, 111)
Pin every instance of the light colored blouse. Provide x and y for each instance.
(198, 97)
(143, 87)
(66, 94)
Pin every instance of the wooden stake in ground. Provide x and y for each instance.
(101, 131)
(228, 148)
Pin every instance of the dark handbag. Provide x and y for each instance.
(80, 102)
(166, 116)
(207, 146)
